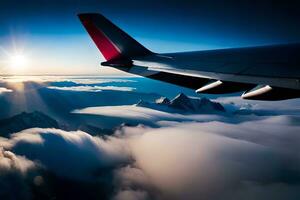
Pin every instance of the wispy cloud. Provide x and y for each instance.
(100, 80)
(143, 114)
(290, 106)
(88, 88)
(74, 79)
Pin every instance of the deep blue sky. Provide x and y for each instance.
(51, 32)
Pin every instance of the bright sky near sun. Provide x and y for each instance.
(67, 54)
(52, 55)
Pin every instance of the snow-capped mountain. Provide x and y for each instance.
(183, 103)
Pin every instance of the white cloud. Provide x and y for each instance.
(216, 160)
(99, 80)
(68, 154)
(5, 90)
(145, 114)
(290, 106)
(74, 79)
(14, 169)
(88, 88)
(11, 162)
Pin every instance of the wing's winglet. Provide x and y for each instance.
(112, 42)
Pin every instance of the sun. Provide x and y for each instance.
(18, 61)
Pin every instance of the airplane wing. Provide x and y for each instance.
(261, 73)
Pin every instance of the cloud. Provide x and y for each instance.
(133, 183)
(290, 106)
(55, 148)
(185, 156)
(14, 171)
(5, 90)
(188, 160)
(127, 111)
(59, 164)
(132, 195)
(74, 79)
(9, 161)
(92, 88)
(100, 80)
(216, 160)
(146, 115)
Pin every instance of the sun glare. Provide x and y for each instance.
(18, 61)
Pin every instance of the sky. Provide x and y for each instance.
(48, 37)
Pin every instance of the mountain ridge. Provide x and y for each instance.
(26, 120)
(183, 103)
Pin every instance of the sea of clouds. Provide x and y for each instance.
(189, 160)
(166, 156)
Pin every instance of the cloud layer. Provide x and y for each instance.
(208, 160)
(145, 115)
(221, 161)
(166, 156)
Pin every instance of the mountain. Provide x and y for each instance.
(38, 119)
(26, 120)
(94, 130)
(183, 103)
(163, 100)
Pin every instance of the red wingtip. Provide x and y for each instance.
(108, 49)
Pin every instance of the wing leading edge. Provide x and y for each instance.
(261, 73)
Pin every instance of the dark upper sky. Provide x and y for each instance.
(216, 21)
(161, 25)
